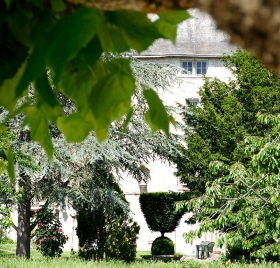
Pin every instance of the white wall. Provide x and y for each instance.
(68, 225)
(162, 180)
(190, 83)
(162, 175)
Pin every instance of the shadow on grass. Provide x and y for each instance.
(6, 254)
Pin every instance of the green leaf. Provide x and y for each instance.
(101, 134)
(39, 129)
(46, 99)
(2, 166)
(44, 23)
(74, 127)
(77, 87)
(3, 128)
(110, 98)
(278, 223)
(44, 91)
(8, 3)
(111, 37)
(128, 117)
(93, 49)
(40, 3)
(173, 121)
(58, 5)
(167, 24)
(72, 33)
(35, 67)
(21, 27)
(274, 200)
(156, 116)
(11, 167)
(8, 90)
(123, 30)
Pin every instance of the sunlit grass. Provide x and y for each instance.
(8, 260)
(74, 262)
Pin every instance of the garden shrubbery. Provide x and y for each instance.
(161, 216)
(48, 236)
(159, 210)
(107, 225)
(118, 235)
(162, 246)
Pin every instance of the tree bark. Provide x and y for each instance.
(253, 25)
(24, 209)
(23, 229)
(139, 5)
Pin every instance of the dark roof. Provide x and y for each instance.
(196, 36)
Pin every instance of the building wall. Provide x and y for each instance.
(68, 226)
(162, 180)
(162, 174)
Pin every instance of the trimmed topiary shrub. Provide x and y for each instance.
(160, 212)
(162, 246)
(161, 216)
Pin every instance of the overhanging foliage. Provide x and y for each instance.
(69, 41)
(72, 175)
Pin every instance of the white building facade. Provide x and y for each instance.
(198, 50)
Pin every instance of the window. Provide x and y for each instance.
(194, 67)
(193, 102)
(190, 103)
(187, 66)
(201, 67)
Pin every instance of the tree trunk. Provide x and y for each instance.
(23, 229)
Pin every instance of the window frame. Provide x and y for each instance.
(201, 67)
(194, 62)
(192, 100)
(186, 71)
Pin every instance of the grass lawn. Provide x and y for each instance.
(8, 260)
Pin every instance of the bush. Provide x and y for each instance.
(118, 238)
(162, 246)
(117, 231)
(160, 212)
(121, 239)
(4, 239)
(87, 254)
(118, 235)
(49, 237)
(235, 251)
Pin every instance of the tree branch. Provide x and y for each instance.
(153, 6)
(32, 226)
(7, 215)
(259, 196)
